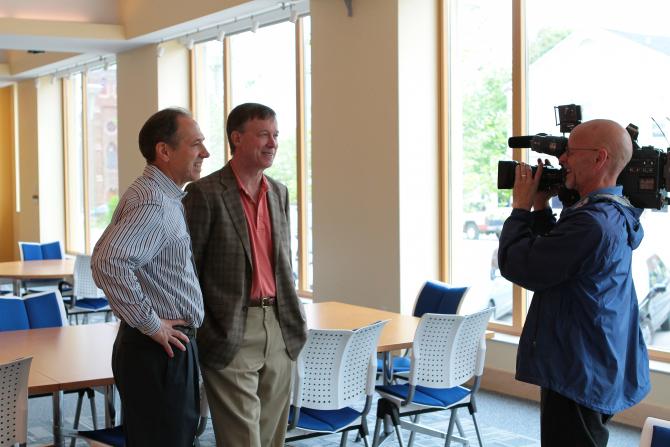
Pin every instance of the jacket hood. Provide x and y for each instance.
(633, 226)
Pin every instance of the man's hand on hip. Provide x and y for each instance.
(167, 335)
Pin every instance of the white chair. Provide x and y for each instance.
(86, 297)
(333, 377)
(655, 433)
(14, 402)
(447, 351)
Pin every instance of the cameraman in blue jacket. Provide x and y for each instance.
(581, 342)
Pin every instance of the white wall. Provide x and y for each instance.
(355, 158)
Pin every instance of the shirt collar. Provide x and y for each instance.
(166, 185)
(616, 190)
(264, 184)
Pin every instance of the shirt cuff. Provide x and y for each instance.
(151, 326)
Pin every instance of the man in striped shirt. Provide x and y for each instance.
(143, 262)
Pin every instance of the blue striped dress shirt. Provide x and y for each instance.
(143, 260)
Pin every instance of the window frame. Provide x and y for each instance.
(519, 127)
(302, 288)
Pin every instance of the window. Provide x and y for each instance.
(91, 159)
(503, 78)
(481, 117)
(269, 66)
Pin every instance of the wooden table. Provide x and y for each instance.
(73, 357)
(64, 358)
(19, 271)
(397, 334)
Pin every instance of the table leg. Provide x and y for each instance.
(57, 402)
(16, 286)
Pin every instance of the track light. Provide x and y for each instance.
(37, 82)
(189, 43)
(254, 24)
(160, 50)
(221, 34)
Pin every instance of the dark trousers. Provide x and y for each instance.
(160, 398)
(566, 423)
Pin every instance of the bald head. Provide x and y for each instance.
(606, 134)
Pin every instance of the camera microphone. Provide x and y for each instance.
(520, 142)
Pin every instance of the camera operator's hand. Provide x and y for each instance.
(542, 197)
(525, 185)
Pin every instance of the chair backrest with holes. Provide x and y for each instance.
(336, 367)
(84, 285)
(447, 349)
(14, 402)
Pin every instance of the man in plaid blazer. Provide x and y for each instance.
(253, 327)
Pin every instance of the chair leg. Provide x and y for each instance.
(363, 436)
(479, 437)
(94, 415)
(450, 430)
(459, 426)
(77, 415)
(412, 433)
(343, 439)
(387, 409)
(375, 436)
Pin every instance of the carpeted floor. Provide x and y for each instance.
(503, 422)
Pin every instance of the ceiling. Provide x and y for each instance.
(40, 37)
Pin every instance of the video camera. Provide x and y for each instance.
(645, 179)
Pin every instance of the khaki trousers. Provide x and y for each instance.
(249, 398)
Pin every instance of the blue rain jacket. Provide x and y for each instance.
(581, 338)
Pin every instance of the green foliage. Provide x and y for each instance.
(284, 167)
(546, 39)
(485, 124)
(112, 203)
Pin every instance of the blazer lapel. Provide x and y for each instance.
(276, 213)
(233, 203)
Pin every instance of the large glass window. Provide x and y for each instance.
(209, 102)
(91, 156)
(270, 66)
(613, 65)
(480, 122)
(609, 63)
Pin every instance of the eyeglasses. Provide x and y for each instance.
(570, 150)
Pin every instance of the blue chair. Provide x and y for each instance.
(35, 251)
(447, 351)
(104, 437)
(334, 374)
(434, 297)
(655, 433)
(13, 315)
(44, 310)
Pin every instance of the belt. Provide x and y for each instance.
(264, 301)
(186, 330)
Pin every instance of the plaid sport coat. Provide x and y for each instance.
(222, 255)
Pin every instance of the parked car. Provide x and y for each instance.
(500, 292)
(655, 305)
(485, 222)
